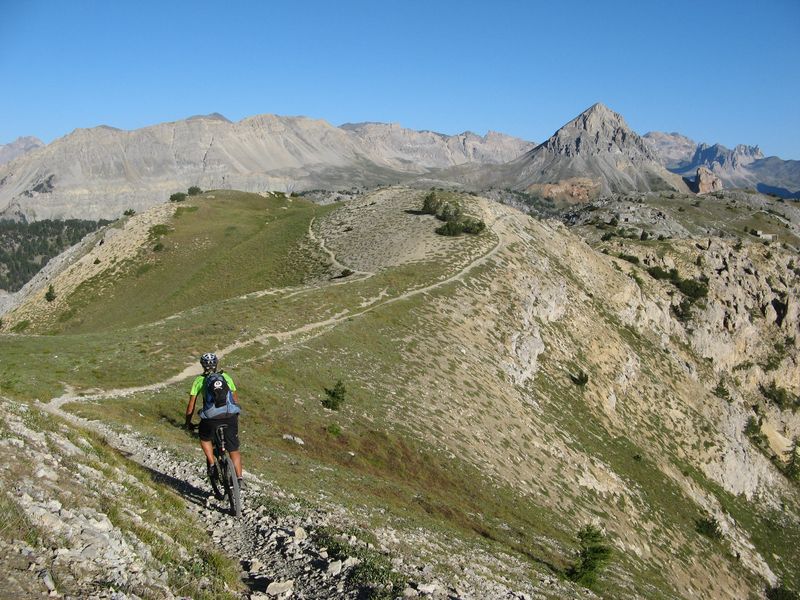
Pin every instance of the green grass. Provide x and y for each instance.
(231, 245)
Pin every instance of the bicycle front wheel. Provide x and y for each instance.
(232, 487)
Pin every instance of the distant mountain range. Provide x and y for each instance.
(18, 147)
(742, 167)
(100, 172)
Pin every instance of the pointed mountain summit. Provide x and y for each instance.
(595, 153)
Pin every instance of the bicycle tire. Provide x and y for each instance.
(216, 484)
(232, 487)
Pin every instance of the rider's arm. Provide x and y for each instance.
(190, 408)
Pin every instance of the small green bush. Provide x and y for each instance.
(683, 311)
(51, 294)
(194, 191)
(709, 527)
(692, 288)
(473, 226)
(722, 392)
(335, 396)
(177, 197)
(630, 258)
(450, 228)
(780, 593)
(581, 378)
(780, 396)
(334, 429)
(594, 554)
(158, 247)
(607, 236)
(129, 212)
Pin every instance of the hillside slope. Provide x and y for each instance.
(469, 445)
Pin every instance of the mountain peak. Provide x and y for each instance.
(598, 130)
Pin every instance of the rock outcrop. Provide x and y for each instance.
(705, 181)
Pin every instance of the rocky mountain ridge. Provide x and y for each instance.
(102, 171)
(20, 146)
(741, 167)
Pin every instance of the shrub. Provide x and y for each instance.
(581, 378)
(692, 288)
(780, 396)
(659, 273)
(683, 311)
(630, 258)
(177, 197)
(129, 212)
(722, 392)
(97, 261)
(752, 428)
(158, 247)
(450, 228)
(335, 396)
(593, 556)
(51, 294)
(709, 527)
(607, 236)
(644, 236)
(194, 191)
(780, 593)
(473, 226)
(431, 204)
(334, 429)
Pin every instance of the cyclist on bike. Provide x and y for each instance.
(218, 409)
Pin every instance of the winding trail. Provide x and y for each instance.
(498, 226)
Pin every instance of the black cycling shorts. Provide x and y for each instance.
(208, 426)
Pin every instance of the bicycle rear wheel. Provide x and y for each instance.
(232, 487)
(216, 483)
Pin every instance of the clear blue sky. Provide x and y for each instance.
(717, 71)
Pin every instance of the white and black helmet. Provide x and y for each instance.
(209, 361)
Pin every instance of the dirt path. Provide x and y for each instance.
(497, 226)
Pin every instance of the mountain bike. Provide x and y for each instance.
(226, 474)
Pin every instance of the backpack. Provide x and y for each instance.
(216, 390)
(217, 398)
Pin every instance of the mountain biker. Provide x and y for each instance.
(212, 416)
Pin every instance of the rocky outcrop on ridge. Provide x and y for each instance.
(705, 181)
(20, 146)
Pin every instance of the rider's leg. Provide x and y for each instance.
(208, 450)
(236, 457)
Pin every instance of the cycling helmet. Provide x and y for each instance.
(209, 361)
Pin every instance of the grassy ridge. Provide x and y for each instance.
(232, 244)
